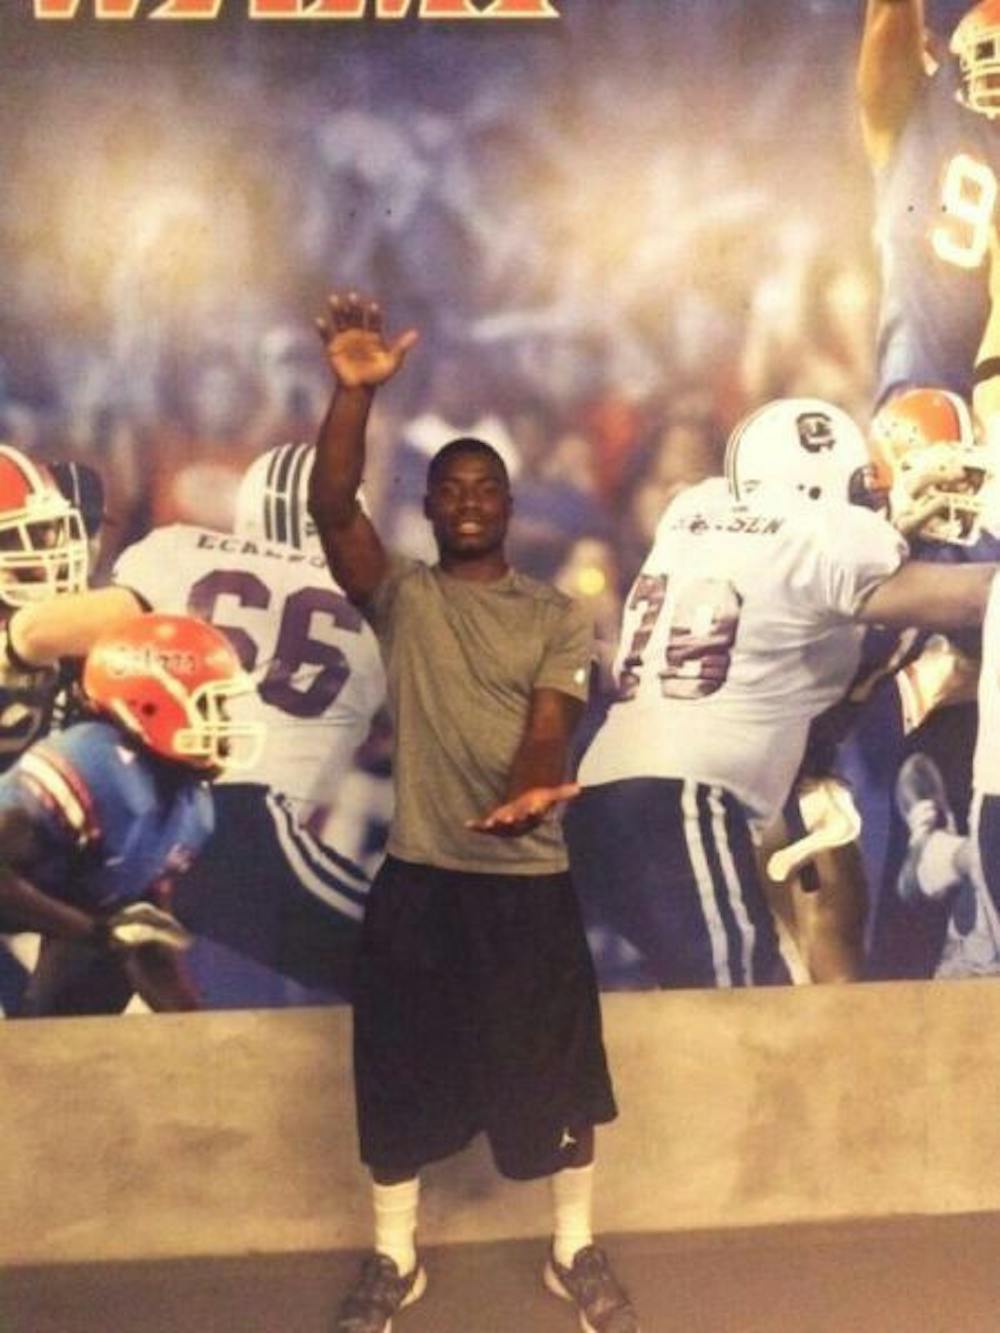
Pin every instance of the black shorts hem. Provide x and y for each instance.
(412, 1166)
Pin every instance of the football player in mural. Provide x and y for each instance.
(929, 121)
(268, 888)
(98, 820)
(43, 554)
(935, 475)
(957, 873)
(745, 623)
(942, 478)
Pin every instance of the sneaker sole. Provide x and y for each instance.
(554, 1284)
(413, 1295)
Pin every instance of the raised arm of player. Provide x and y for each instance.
(361, 359)
(890, 70)
(43, 632)
(537, 777)
(931, 596)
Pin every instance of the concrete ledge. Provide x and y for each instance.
(233, 1133)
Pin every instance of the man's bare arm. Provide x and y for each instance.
(890, 71)
(42, 633)
(931, 596)
(537, 777)
(361, 359)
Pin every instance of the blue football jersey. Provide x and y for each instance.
(935, 208)
(111, 819)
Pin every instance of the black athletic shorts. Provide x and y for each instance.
(475, 1008)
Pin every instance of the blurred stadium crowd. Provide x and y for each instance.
(615, 234)
(613, 238)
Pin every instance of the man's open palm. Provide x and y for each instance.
(356, 347)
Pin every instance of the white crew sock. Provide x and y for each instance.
(572, 1192)
(940, 866)
(396, 1221)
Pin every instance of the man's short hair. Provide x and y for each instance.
(464, 444)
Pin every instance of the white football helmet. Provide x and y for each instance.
(805, 444)
(924, 441)
(976, 43)
(272, 500)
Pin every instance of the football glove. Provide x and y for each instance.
(142, 923)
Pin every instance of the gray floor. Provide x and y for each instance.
(909, 1276)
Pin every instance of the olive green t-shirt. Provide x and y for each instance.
(462, 659)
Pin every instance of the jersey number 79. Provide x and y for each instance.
(698, 650)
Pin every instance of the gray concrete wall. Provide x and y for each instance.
(229, 1133)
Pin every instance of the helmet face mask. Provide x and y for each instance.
(939, 472)
(807, 446)
(169, 681)
(976, 44)
(938, 497)
(43, 542)
(214, 739)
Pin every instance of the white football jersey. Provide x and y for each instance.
(313, 658)
(986, 764)
(737, 632)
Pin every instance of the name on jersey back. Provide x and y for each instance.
(232, 545)
(729, 522)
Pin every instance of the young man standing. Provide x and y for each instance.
(475, 1001)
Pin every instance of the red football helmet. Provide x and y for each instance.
(925, 439)
(976, 43)
(43, 543)
(168, 681)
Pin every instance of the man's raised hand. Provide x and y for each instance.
(356, 347)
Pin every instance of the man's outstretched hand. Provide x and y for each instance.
(525, 812)
(359, 354)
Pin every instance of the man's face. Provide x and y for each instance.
(468, 505)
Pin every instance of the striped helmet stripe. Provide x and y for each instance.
(732, 448)
(270, 494)
(296, 504)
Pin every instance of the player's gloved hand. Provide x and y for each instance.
(142, 923)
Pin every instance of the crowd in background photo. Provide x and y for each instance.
(616, 235)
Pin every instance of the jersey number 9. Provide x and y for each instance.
(968, 198)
